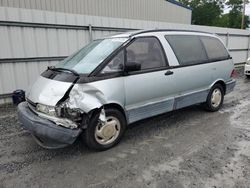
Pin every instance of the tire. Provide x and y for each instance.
(90, 134)
(215, 104)
(248, 76)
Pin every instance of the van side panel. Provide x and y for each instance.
(223, 70)
(188, 99)
(149, 110)
(196, 81)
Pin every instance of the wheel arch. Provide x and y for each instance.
(222, 83)
(109, 105)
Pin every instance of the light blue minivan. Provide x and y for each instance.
(112, 82)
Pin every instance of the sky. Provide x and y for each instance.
(226, 10)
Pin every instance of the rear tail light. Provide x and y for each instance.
(233, 73)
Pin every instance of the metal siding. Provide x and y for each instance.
(18, 42)
(157, 10)
(38, 4)
(32, 4)
(52, 42)
(2, 79)
(26, 15)
(29, 42)
(239, 56)
(20, 75)
(41, 41)
(238, 43)
(8, 78)
(53, 5)
(2, 13)
(44, 6)
(12, 14)
(72, 41)
(62, 42)
(5, 43)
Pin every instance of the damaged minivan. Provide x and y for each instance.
(115, 81)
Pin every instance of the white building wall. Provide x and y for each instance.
(155, 10)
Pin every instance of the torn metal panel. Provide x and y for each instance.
(96, 94)
(86, 98)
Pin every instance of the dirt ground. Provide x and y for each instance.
(186, 148)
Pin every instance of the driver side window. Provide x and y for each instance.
(146, 51)
(116, 64)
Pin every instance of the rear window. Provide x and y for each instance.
(214, 48)
(188, 49)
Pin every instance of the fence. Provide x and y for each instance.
(31, 40)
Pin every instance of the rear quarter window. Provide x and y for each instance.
(188, 49)
(214, 48)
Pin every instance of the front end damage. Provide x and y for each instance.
(46, 132)
(59, 125)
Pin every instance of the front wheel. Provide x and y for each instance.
(215, 98)
(99, 136)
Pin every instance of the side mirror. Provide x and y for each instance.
(132, 66)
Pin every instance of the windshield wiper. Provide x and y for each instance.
(63, 70)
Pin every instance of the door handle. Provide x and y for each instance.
(169, 73)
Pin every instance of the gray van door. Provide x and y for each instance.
(197, 70)
(149, 91)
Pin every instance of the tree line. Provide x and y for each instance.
(211, 13)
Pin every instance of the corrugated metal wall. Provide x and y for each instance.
(155, 10)
(30, 40)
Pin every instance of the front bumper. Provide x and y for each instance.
(247, 69)
(46, 133)
(230, 86)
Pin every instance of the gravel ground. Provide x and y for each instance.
(186, 148)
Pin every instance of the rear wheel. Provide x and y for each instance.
(215, 98)
(102, 136)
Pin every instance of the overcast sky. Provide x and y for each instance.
(247, 9)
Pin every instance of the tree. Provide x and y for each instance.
(210, 13)
(235, 5)
(205, 12)
(235, 14)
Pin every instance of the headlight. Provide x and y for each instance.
(49, 110)
(72, 114)
(63, 112)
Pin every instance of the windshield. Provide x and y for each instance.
(89, 57)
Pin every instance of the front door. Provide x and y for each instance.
(149, 91)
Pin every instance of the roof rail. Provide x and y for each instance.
(166, 30)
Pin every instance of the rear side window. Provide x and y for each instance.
(188, 49)
(214, 48)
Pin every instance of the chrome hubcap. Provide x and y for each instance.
(108, 132)
(216, 98)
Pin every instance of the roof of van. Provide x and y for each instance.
(137, 32)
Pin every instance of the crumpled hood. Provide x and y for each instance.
(47, 91)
